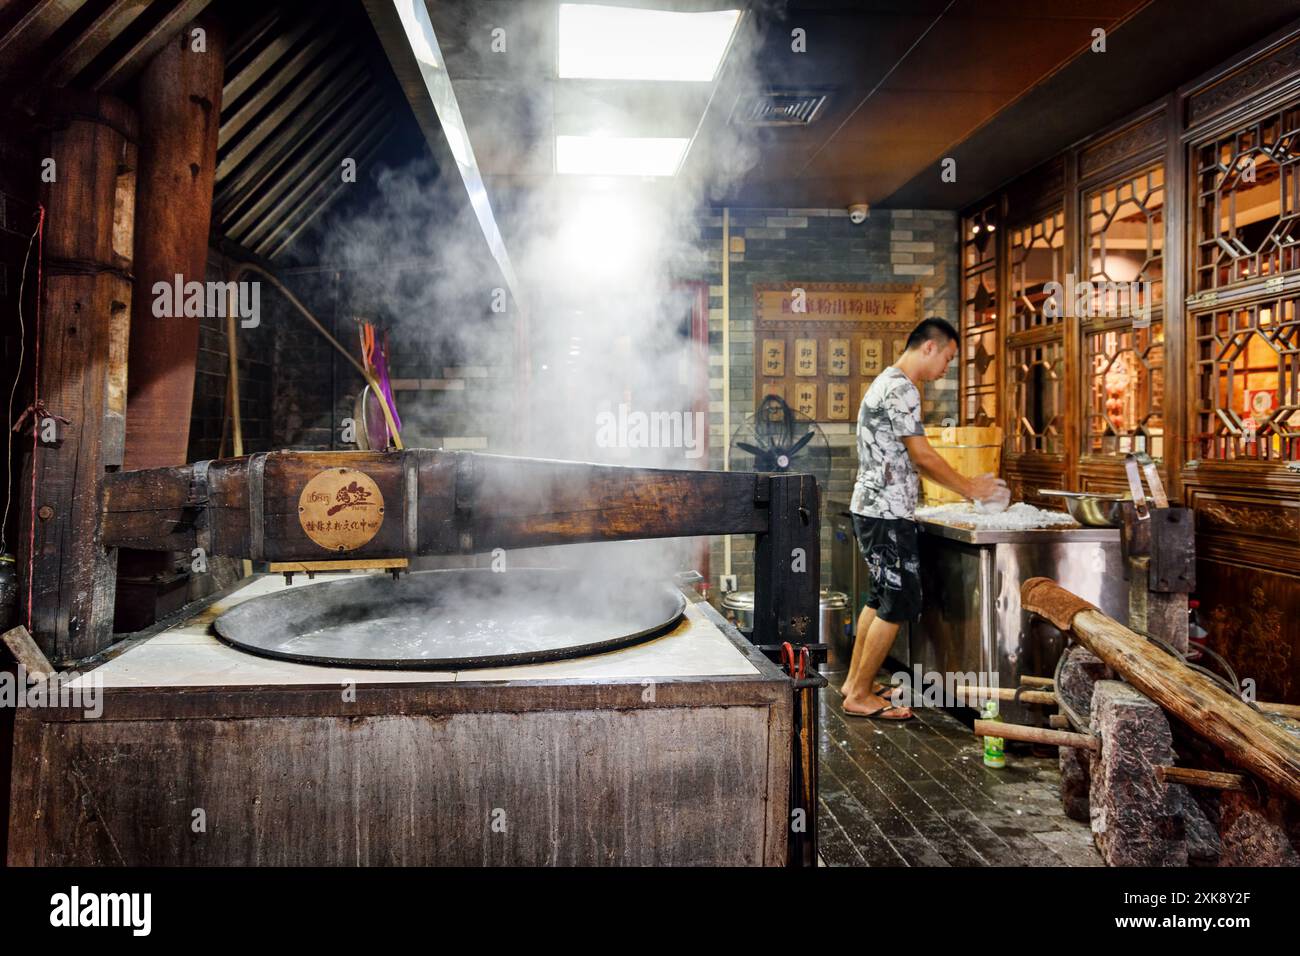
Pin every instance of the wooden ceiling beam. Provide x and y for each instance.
(323, 198)
(92, 41)
(362, 114)
(154, 39)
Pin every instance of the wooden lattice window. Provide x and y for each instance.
(1248, 360)
(979, 370)
(1126, 390)
(1037, 372)
(1037, 253)
(1249, 202)
(1123, 332)
(1126, 233)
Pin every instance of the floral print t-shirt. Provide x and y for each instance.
(887, 485)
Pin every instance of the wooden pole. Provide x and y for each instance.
(1036, 735)
(180, 112)
(1008, 693)
(1202, 778)
(85, 313)
(232, 369)
(1282, 710)
(1247, 739)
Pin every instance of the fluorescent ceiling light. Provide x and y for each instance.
(619, 155)
(623, 43)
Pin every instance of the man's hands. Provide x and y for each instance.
(932, 465)
(983, 487)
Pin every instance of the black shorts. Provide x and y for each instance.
(893, 566)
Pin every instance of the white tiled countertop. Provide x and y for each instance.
(188, 654)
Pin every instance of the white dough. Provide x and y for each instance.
(1020, 516)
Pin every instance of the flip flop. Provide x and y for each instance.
(879, 712)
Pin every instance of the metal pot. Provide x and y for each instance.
(738, 608)
(836, 629)
(834, 624)
(1089, 509)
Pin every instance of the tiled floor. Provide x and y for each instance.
(917, 793)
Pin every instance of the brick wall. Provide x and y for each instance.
(820, 245)
(296, 390)
(207, 418)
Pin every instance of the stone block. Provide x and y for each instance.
(1137, 819)
(1258, 832)
(1075, 776)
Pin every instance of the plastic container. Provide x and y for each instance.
(995, 754)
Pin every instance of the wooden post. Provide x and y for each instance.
(1247, 739)
(787, 563)
(85, 303)
(180, 111)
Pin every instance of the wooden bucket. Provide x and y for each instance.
(971, 449)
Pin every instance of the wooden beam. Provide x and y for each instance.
(250, 74)
(311, 160)
(92, 41)
(1210, 779)
(85, 315)
(434, 503)
(303, 198)
(1247, 738)
(180, 103)
(1036, 735)
(283, 77)
(236, 152)
(144, 49)
(1007, 693)
(303, 127)
(26, 653)
(26, 36)
(320, 201)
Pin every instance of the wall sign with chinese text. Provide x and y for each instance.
(837, 337)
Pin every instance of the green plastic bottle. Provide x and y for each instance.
(994, 752)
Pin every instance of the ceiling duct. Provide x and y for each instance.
(779, 108)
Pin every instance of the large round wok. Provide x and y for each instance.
(450, 620)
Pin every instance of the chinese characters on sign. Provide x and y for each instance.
(839, 336)
(341, 509)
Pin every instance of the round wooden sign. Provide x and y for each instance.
(341, 509)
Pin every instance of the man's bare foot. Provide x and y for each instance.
(877, 688)
(873, 705)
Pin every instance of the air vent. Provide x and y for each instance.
(778, 108)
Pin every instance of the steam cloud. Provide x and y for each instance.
(600, 264)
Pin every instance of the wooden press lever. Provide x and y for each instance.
(1141, 459)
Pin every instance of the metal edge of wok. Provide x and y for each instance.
(233, 621)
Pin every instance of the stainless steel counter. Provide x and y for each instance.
(972, 622)
(969, 535)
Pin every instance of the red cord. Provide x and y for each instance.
(36, 399)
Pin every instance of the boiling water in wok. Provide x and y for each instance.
(451, 619)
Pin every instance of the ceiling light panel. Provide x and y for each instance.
(623, 43)
(619, 155)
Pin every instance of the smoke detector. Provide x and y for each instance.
(858, 212)
(778, 108)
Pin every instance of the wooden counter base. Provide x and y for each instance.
(575, 770)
